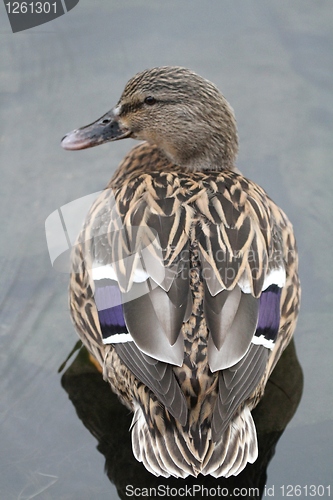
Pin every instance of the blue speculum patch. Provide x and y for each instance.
(110, 310)
(269, 313)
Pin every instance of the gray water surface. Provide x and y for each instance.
(273, 60)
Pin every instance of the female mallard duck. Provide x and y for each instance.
(184, 283)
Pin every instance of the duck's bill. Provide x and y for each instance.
(105, 129)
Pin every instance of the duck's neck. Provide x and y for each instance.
(215, 156)
(202, 145)
(206, 162)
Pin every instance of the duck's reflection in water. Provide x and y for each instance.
(109, 421)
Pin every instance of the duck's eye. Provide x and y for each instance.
(150, 100)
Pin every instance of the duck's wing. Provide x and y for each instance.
(247, 251)
(241, 256)
(137, 248)
(140, 287)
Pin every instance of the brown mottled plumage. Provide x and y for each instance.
(205, 263)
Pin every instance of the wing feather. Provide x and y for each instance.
(232, 329)
(236, 384)
(157, 376)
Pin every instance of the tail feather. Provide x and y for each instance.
(168, 454)
(242, 447)
(160, 456)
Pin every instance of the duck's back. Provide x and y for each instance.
(185, 288)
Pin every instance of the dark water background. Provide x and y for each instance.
(273, 60)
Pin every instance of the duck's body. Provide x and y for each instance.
(184, 284)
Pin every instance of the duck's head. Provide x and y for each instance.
(180, 112)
